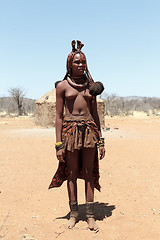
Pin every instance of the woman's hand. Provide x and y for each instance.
(60, 155)
(101, 152)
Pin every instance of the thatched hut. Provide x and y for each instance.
(45, 110)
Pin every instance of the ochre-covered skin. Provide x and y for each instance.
(73, 94)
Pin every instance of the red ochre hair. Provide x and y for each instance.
(95, 88)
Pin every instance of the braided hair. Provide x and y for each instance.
(95, 88)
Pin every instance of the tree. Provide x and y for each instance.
(17, 94)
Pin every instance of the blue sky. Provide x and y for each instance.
(121, 37)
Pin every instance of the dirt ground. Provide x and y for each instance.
(128, 207)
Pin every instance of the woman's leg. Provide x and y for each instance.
(88, 156)
(72, 167)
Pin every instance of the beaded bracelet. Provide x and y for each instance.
(59, 145)
(101, 142)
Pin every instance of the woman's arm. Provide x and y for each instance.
(94, 113)
(95, 116)
(60, 94)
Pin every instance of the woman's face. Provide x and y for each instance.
(78, 65)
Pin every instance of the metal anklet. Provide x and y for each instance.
(73, 209)
(90, 209)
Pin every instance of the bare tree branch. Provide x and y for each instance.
(115, 105)
(17, 94)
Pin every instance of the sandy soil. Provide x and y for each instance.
(128, 207)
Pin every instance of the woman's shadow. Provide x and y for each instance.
(102, 210)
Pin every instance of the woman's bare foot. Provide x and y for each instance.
(72, 222)
(92, 224)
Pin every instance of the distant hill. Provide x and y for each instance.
(8, 106)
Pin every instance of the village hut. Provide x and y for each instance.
(45, 110)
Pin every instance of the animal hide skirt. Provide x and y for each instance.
(78, 131)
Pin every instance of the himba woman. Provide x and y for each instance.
(78, 133)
